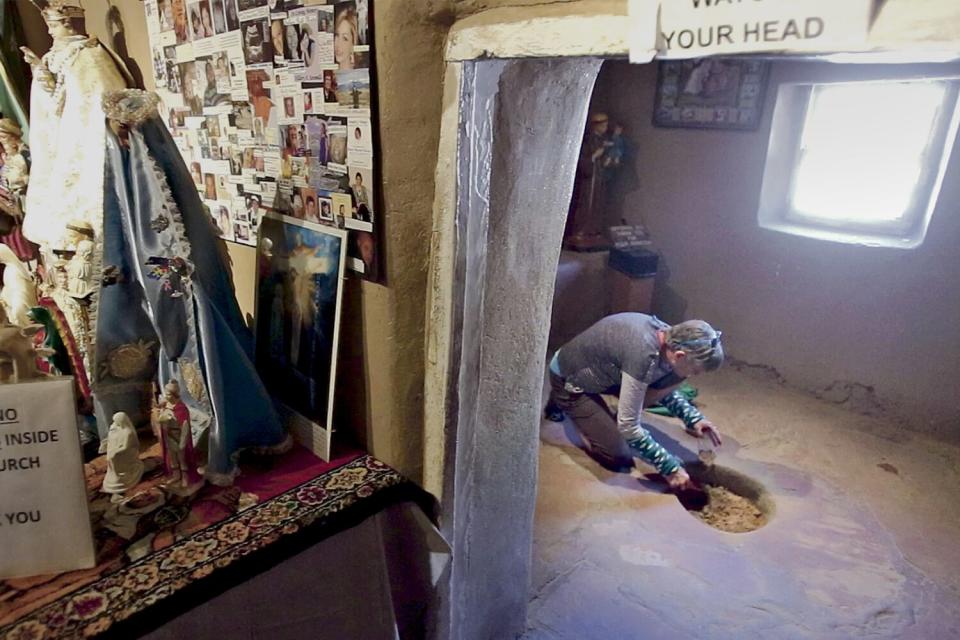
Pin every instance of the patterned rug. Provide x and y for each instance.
(157, 554)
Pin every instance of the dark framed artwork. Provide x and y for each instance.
(711, 93)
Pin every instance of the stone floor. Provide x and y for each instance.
(863, 541)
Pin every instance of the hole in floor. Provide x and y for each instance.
(728, 500)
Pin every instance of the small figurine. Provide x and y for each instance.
(172, 418)
(19, 292)
(124, 467)
(14, 173)
(18, 355)
(80, 271)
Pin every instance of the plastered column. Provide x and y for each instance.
(521, 129)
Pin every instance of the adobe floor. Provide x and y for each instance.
(863, 543)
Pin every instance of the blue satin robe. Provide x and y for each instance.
(176, 293)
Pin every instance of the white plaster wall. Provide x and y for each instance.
(816, 311)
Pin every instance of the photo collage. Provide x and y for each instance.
(269, 102)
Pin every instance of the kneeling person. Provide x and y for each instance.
(642, 360)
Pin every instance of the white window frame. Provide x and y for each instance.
(775, 210)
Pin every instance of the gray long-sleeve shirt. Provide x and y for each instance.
(621, 350)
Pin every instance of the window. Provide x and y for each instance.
(865, 164)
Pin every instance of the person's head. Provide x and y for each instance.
(255, 82)
(288, 105)
(179, 10)
(328, 81)
(63, 19)
(365, 247)
(276, 33)
(195, 21)
(171, 391)
(292, 38)
(311, 206)
(343, 210)
(692, 347)
(345, 37)
(325, 208)
(357, 133)
(195, 169)
(359, 179)
(599, 123)
(121, 422)
(211, 75)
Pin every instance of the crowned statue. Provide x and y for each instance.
(131, 262)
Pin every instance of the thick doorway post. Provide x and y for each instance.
(521, 128)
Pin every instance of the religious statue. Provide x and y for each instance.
(601, 156)
(14, 176)
(67, 126)
(131, 259)
(67, 160)
(19, 292)
(176, 292)
(172, 420)
(124, 466)
(14, 170)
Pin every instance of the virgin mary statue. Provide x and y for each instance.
(160, 304)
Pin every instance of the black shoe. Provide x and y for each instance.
(553, 413)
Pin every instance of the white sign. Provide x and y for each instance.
(694, 28)
(44, 517)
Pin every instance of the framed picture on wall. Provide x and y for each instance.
(298, 299)
(711, 93)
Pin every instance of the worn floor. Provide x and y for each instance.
(864, 541)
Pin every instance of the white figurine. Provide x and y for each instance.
(18, 355)
(19, 291)
(124, 467)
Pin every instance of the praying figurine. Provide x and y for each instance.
(124, 467)
(172, 418)
(79, 267)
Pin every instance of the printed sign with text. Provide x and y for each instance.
(44, 517)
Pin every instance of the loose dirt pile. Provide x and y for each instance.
(729, 512)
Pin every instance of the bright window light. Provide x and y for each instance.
(859, 162)
(863, 150)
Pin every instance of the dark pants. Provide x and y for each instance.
(594, 421)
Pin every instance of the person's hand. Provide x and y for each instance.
(679, 480)
(705, 428)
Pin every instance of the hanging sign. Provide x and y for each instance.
(44, 517)
(696, 28)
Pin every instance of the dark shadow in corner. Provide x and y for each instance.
(351, 408)
(118, 42)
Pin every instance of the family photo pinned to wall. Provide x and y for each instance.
(711, 93)
(270, 102)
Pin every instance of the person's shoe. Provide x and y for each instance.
(553, 413)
